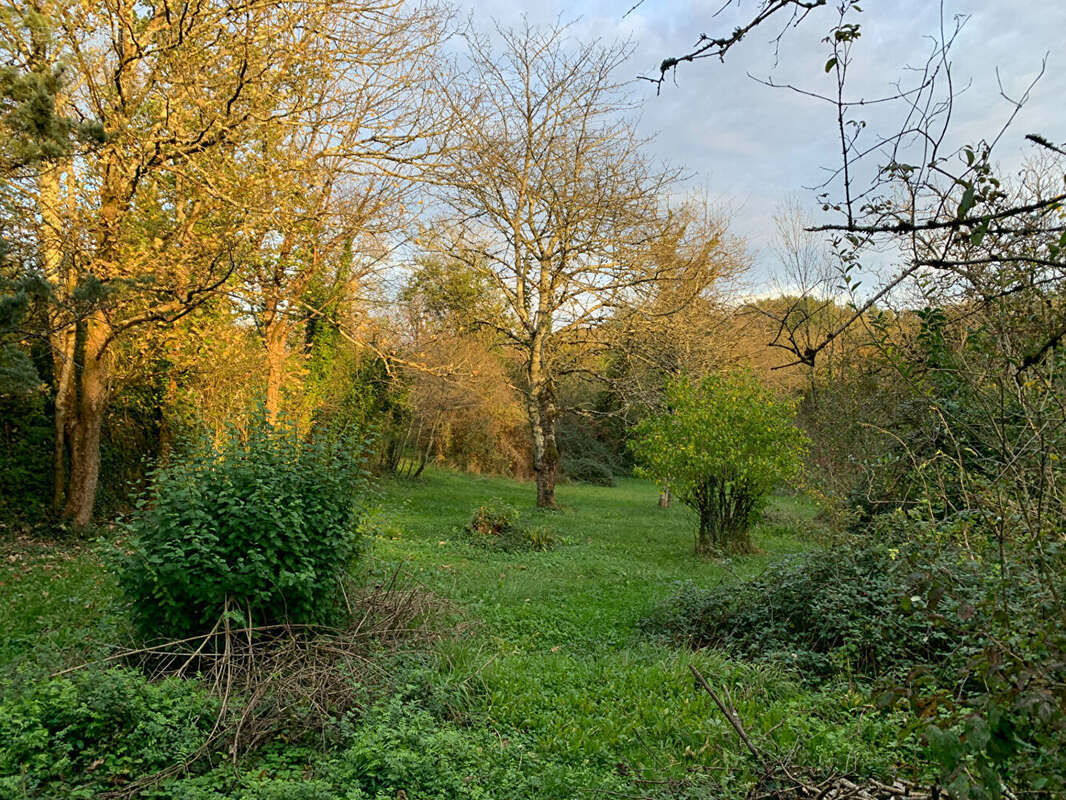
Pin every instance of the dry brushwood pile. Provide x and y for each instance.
(288, 678)
(837, 787)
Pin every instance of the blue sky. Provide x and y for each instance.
(751, 146)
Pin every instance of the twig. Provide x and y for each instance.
(730, 714)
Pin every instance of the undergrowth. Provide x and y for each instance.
(546, 691)
(845, 612)
(500, 525)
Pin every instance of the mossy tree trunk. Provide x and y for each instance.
(542, 417)
(85, 419)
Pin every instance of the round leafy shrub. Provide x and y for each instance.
(722, 444)
(588, 470)
(494, 518)
(498, 525)
(261, 525)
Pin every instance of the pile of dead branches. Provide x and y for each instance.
(837, 787)
(779, 778)
(293, 679)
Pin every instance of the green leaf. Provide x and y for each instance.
(830, 63)
(966, 204)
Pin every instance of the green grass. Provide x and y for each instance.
(619, 553)
(549, 690)
(59, 603)
(562, 659)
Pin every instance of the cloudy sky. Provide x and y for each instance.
(751, 146)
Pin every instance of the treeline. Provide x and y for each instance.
(316, 210)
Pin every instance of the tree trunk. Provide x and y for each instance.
(63, 374)
(86, 423)
(542, 412)
(61, 331)
(542, 416)
(664, 498)
(276, 341)
(705, 536)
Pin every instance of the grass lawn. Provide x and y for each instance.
(558, 653)
(550, 690)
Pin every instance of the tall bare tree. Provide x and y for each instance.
(551, 197)
(328, 197)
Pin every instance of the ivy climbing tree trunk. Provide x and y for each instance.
(276, 331)
(86, 422)
(61, 333)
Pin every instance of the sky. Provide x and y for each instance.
(752, 147)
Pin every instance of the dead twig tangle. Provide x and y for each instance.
(290, 679)
(781, 779)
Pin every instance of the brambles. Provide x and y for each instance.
(926, 628)
(822, 614)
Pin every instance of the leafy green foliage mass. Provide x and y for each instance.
(588, 470)
(80, 735)
(927, 628)
(499, 525)
(263, 524)
(849, 611)
(722, 444)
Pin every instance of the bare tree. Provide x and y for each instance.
(327, 193)
(550, 197)
(916, 190)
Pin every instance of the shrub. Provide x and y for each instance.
(721, 446)
(264, 523)
(81, 735)
(497, 524)
(978, 662)
(846, 611)
(588, 470)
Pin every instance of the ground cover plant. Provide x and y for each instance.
(548, 691)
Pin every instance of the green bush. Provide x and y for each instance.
(722, 444)
(977, 662)
(264, 524)
(850, 610)
(26, 436)
(81, 735)
(498, 525)
(588, 470)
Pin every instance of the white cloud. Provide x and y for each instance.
(754, 146)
